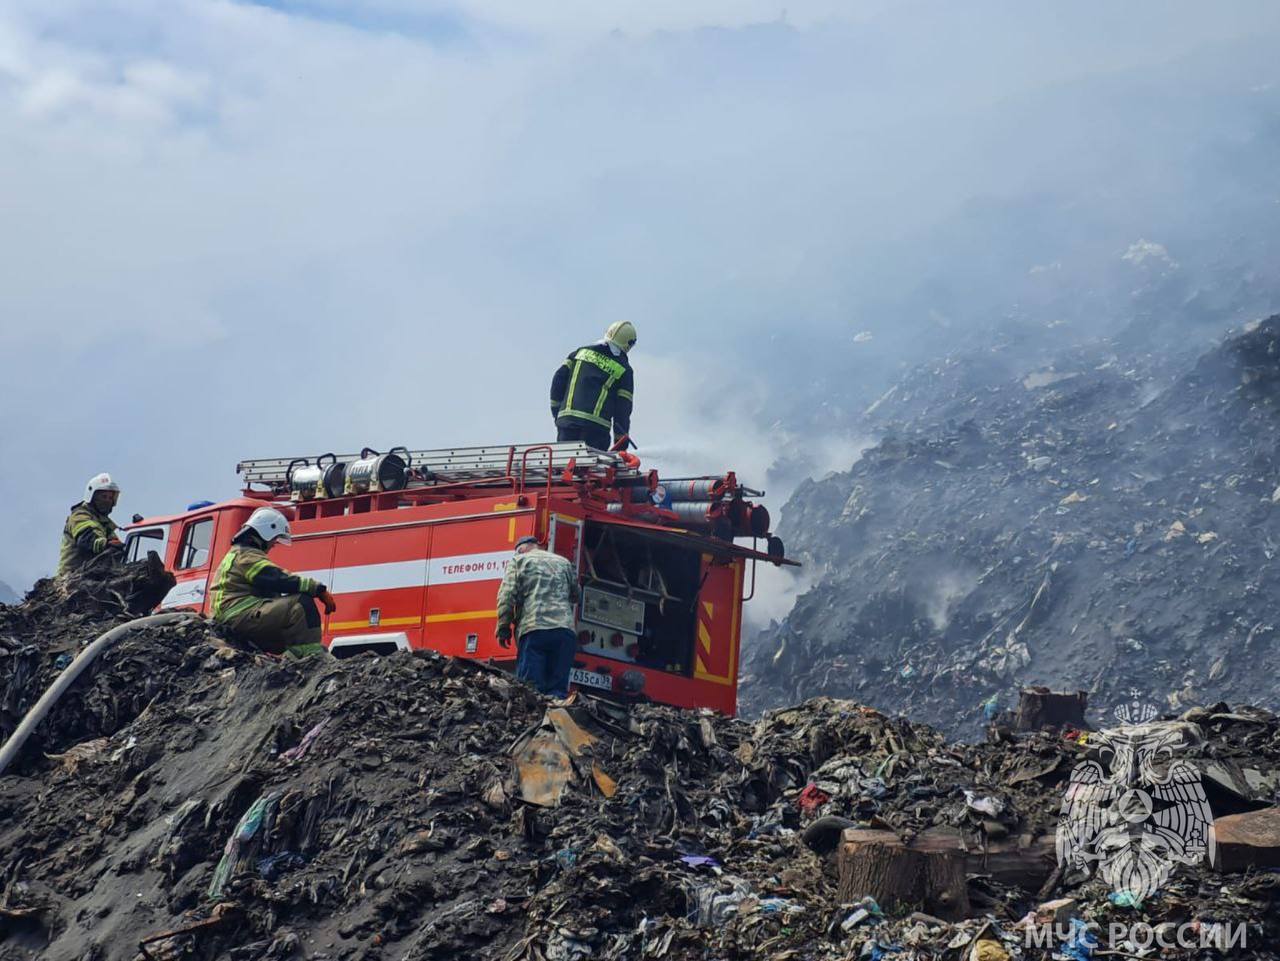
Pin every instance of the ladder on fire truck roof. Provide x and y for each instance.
(528, 462)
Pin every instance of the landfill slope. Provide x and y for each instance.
(1103, 519)
(200, 801)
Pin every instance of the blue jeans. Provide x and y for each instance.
(545, 658)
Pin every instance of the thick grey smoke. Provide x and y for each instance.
(233, 229)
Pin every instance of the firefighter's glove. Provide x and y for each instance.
(325, 598)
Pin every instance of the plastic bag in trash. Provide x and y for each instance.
(984, 805)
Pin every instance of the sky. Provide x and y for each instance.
(233, 229)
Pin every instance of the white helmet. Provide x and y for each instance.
(622, 334)
(269, 524)
(99, 482)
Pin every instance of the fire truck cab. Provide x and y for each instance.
(413, 545)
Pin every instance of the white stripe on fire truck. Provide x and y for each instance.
(392, 575)
(372, 577)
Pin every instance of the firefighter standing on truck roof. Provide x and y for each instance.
(593, 389)
(89, 530)
(538, 593)
(261, 602)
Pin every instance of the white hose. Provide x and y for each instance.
(72, 671)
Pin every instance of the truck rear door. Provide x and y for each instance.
(379, 583)
(468, 558)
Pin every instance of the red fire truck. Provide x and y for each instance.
(413, 544)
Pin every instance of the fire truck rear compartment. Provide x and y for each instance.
(639, 599)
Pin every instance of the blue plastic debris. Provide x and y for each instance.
(991, 707)
(276, 865)
(1125, 899)
(1082, 943)
(700, 861)
(874, 950)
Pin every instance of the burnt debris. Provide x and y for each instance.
(189, 799)
(1100, 520)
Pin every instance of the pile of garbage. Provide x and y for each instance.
(190, 799)
(1101, 521)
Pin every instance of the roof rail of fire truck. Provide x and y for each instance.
(528, 462)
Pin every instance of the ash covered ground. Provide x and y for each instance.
(187, 799)
(1103, 517)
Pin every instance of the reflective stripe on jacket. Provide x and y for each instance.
(85, 535)
(246, 579)
(592, 386)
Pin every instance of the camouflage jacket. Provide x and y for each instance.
(539, 591)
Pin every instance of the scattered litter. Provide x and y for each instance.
(1082, 942)
(988, 950)
(1069, 518)
(984, 805)
(1125, 899)
(699, 861)
(308, 739)
(863, 910)
(277, 865)
(409, 835)
(812, 798)
(237, 844)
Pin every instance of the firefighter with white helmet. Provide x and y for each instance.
(89, 531)
(259, 601)
(593, 389)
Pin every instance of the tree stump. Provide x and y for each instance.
(927, 874)
(1039, 707)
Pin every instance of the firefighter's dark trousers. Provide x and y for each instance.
(590, 434)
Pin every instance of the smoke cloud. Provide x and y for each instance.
(251, 229)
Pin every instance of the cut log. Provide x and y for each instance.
(1039, 707)
(1250, 840)
(874, 863)
(928, 874)
(1022, 862)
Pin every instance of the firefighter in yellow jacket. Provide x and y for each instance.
(262, 603)
(89, 531)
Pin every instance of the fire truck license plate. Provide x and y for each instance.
(591, 679)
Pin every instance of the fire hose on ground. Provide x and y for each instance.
(53, 695)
